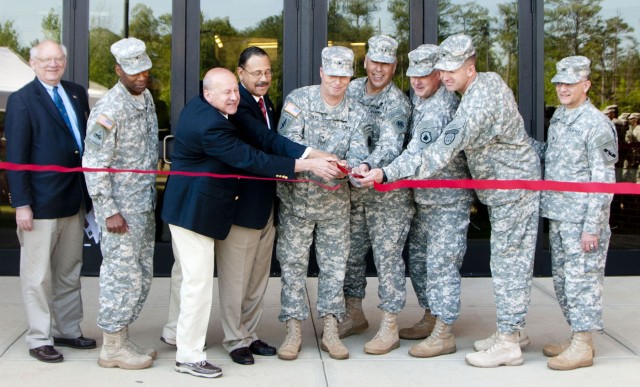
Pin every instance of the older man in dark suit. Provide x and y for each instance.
(45, 125)
(201, 209)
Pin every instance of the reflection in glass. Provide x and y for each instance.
(246, 23)
(351, 24)
(22, 26)
(604, 32)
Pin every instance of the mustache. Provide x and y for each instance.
(262, 84)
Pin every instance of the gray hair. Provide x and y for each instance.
(33, 52)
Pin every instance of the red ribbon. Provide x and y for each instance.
(531, 185)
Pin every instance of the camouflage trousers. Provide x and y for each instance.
(382, 227)
(437, 243)
(126, 271)
(578, 277)
(331, 237)
(514, 228)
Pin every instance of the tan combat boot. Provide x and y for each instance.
(387, 338)
(420, 330)
(134, 347)
(440, 342)
(331, 341)
(578, 354)
(115, 353)
(555, 349)
(504, 351)
(354, 322)
(481, 345)
(292, 343)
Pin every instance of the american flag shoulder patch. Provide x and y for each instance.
(105, 121)
(292, 109)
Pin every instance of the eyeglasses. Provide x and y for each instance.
(55, 59)
(258, 74)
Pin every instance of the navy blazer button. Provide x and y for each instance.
(237, 197)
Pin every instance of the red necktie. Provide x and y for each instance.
(264, 109)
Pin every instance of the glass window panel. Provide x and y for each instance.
(228, 27)
(22, 25)
(606, 32)
(149, 21)
(352, 22)
(493, 26)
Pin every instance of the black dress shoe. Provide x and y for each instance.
(242, 356)
(78, 343)
(46, 353)
(261, 348)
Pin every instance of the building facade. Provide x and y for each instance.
(519, 39)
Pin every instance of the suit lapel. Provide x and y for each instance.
(244, 93)
(270, 111)
(77, 109)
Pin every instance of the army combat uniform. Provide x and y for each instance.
(438, 237)
(309, 212)
(381, 219)
(489, 129)
(582, 147)
(122, 133)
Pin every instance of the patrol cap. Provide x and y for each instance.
(382, 48)
(453, 51)
(634, 115)
(337, 61)
(422, 60)
(572, 69)
(130, 53)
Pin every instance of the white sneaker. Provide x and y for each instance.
(482, 345)
(505, 351)
(203, 369)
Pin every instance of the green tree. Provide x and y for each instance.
(9, 36)
(507, 40)
(216, 36)
(51, 26)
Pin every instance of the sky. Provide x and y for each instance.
(27, 14)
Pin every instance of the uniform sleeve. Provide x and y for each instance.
(407, 164)
(602, 154)
(100, 148)
(18, 134)
(392, 133)
(358, 149)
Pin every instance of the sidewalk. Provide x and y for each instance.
(617, 362)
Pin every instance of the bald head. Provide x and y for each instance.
(220, 89)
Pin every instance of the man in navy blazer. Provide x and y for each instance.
(45, 125)
(201, 209)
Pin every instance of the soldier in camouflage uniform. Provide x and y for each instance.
(438, 238)
(379, 219)
(582, 147)
(122, 133)
(489, 129)
(324, 118)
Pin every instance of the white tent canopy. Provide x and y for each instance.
(15, 72)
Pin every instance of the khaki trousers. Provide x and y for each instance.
(50, 263)
(243, 260)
